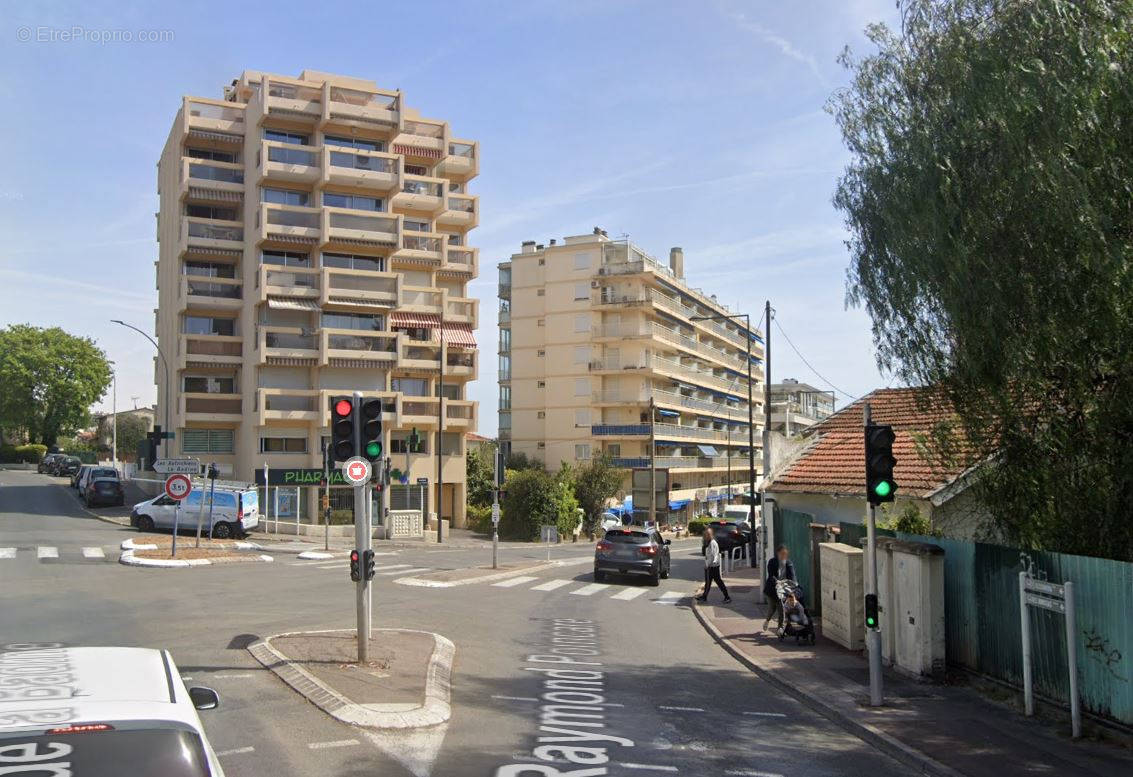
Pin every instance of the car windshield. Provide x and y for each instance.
(152, 753)
(103, 473)
(631, 537)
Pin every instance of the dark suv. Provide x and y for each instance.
(632, 551)
(47, 462)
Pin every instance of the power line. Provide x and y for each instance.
(809, 365)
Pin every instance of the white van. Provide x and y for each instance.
(234, 512)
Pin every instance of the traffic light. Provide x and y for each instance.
(879, 462)
(355, 567)
(372, 430)
(368, 563)
(871, 621)
(343, 417)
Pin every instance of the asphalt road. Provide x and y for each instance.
(671, 701)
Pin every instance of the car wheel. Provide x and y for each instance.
(655, 579)
(665, 573)
(598, 576)
(222, 531)
(145, 523)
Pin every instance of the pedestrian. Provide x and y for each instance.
(778, 568)
(712, 568)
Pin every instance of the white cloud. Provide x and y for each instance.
(785, 47)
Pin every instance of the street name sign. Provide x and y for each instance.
(178, 486)
(422, 481)
(495, 513)
(356, 471)
(177, 466)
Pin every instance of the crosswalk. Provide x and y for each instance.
(615, 592)
(54, 553)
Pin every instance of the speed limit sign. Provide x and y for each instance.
(178, 487)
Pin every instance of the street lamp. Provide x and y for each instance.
(165, 366)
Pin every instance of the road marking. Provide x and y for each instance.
(516, 698)
(750, 773)
(328, 564)
(652, 767)
(629, 593)
(680, 709)
(768, 714)
(589, 590)
(47, 552)
(185, 679)
(335, 743)
(7, 552)
(669, 597)
(391, 566)
(236, 676)
(410, 571)
(235, 751)
(93, 553)
(551, 585)
(514, 581)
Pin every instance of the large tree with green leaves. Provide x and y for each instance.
(989, 199)
(48, 381)
(132, 429)
(595, 483)
(478, 472)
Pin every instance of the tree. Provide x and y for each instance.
(479, 472)
(991, 239)
(595, 483)
(519, 461)
(132, 429)
(535, 498)
(50, 380)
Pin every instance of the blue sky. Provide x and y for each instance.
(698, 124)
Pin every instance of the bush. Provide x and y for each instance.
(31, 453)
(480, 519)
(8, 454)
(341, 517)
(696, 525)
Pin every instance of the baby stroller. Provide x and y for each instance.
(796, 623)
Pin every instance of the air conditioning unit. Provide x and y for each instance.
(593, 284)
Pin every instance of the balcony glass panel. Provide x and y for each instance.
(291, 156)
(293, 218)
(424, 130)
(209, 111)
(290, 340)
(206, 289)
(215, 232)
(430, 188)
(287, 279)
(354, 97)
(421, 243)
(375, 164)
(366, 223)
(211, 173)
(212, 348)
(466, 150)
(361, 343)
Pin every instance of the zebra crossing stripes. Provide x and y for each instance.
(514, 581)
(7, 552)
(590, 590)
(409, 571)
(551, 585)
(670, 597)
(51, 553)
(44, 551)
(94, 553)
(627, 594)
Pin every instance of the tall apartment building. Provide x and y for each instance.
(592, 330)
(313, 241)
(798, 406)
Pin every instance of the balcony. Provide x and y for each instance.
(462, 161)
(279, 281)
(460, 364)
(504, 316)
(460, 210)
(421, 194)
(422, 246)
(689, 374)
(211, 407)
(362, 169)
(288, 224)
(282, 342)
(421, 140)
(212, 350)
(293, 101)
(460, 258)
(690, 432)
(352, 228)
(359, 288)
(417, 411)
(288, 162)
(355, 108)
(209, 181)
(213, 116)
(459, 413)
(211, 293)
(619, 298)
(415, 356)
(620, 430)
(288, 405)
(361, 347)
(204, 235)
(418, 299)
(462, 310)
(718, 328)
(621, 331)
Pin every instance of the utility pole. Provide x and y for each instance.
(497, 480)
(652, 464)
(872, 635)
(114, 419)
(326, 496)
(768, 516)
(441, 427)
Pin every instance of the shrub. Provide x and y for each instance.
(341, 517)
(480, 519)
(30, 453)
(696, 525)
(8, 454)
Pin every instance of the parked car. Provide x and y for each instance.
(45, 464)
(235, 511)
(92, 472)
(730, 534)
(104, 491)
(609, 521)
(127, 712)
(69, 467)
(79, 474)
(632, 551)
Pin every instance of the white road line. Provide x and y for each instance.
(47, 552)
(410, 571)
(93, 553)
(7, 552)
(680, 709)
(329, 564)
(590, 590)
(768, 714)
(237, 676)
(514, 581)
(235, 751)
(551, 585)
(669, 597)
(750, 773)
(392, 566)
(516, 698)
(651, 767)
(629, 593)
(335, 743)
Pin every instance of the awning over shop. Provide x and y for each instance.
(707, 450)
(668, 413)
(679, 504)
(290, 303)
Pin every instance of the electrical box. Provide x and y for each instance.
(910, 582)
(843, 602)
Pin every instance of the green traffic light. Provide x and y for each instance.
(883, 488)
(373, 449)
(870, 622)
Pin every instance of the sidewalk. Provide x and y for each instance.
(937, 729)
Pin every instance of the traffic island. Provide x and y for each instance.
(155, 551)
(404, 685)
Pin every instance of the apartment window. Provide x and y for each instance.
(540, 384)
(293, 138)
(354, 321)
(542, 261)
(416, 170)
(614, 449)
(581, 387)
(581, 354)
(582, 261)
(582, 451)
(582, 323)
(455, 239)
(355, 262)
(505, 420)
(215, 156)
(286, 258)
(355, 201)
(207, 440)
(412, 225)
(359, 143)
(284, 197)
(541, 414)
(406, 497)
(211, 212)
(539, 292)
(505, 397)
(505, 367)
(540, 353)
(505, 339)
(205, 325)
(210, 269)
(202, 384)
(283, 445)
(581, 291)
(582, 416)
(541, 322)
(411, 387)
(398, 444)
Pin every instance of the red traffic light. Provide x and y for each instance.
(353, 555)
(343, 407)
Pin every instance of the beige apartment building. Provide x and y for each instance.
(314, 241)
(795, 406)
(591, 331)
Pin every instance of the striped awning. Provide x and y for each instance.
(206, 252)
(418, 151)
(291, 303)
(277, 237)
(350, 363)
(354, 241)
(421, 320)
(220, 137)
(289, 361)
(459, 334)
(220, 195)
(358, 302)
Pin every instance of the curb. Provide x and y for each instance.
(423, 583)
(438, 687)
(114, 519)
(129, 559)
(886, 743)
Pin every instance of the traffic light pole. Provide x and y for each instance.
(361, 542)
(873, 633)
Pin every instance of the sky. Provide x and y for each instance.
(698, 124)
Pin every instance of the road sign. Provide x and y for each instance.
(495, 513)
(356, 471)
(178, 486)
(422, 481)
(549, 533)
(177, 466)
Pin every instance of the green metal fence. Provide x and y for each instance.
(981, 610)
(793, 530)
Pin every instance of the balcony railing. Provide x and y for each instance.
(212, 348)
(213, 289)
(367, 343)
(424, 129)
(466, 150)
(214, 173)
(419, 407)
(291, 279)
(622, 430)
(461, 203)
(287, 154)
(461, 308)
(459, 256)
(505, 316)
(460, 359)
(203, 110)
(215, 232)
(421, 243)
(289, 403)
(288, 217)
(363, 161)
(212, 405)
(339, 283)
(420, 298)
(340, 94)
(290, 341)
(360, 222)
(427, 188)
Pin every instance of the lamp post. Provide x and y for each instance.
(165, 366)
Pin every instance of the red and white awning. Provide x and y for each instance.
(419, 320)
(459, 334)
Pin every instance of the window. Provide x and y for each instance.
(540, 353)
(401, 445)
(201, 384)
(355, 201)
(207, 440)
(540, 384)
(582, 452)
(581, 387)
(505, 397)
(210, 269)
(582, 416)
(505, 367)
(411, 387)
(293, 138)
(283, 445)
(539, 293)
(540, 445)
(353, 321)
(542, 261)
(416, 226)
(581, 291)
(581, 354)
(582, 261)
(215, 156)
(286, 258)
(582, 322)
(406, 497)
(284, 197)
(455, 239)
(541, 414)
(505, 420)
(615, 451)
(505, 339)
(450, 391)
(365, 145)
(416, 170)
(203, 325)
(211, 212)
(355, 262)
